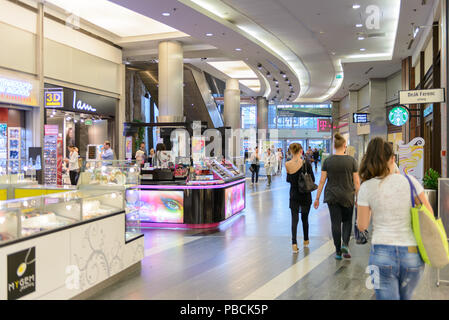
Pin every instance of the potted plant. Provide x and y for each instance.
(430, 182)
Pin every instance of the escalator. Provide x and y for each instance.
(199, 104)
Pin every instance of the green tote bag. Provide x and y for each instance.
(429, 233)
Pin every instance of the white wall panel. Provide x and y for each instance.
(18, 49)
(363, 97)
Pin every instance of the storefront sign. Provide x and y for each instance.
(324, 125)
(428, 110)
(411, 158)
(15, 91)
(421, 96)
(86, 102)
(54, 98)
(21, 273)
(398, 116)
(360, 117)
(81, 105)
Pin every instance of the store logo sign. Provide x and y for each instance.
(54, 98)
(80, 105)
(398, 116)
(324, 125)
(15, 88)
(21, 273)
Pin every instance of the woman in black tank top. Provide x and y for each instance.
(298, 201)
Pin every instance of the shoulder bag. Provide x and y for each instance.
(305, 182)
(429, 233)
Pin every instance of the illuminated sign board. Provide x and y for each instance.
(398, 116)
(324, 125)
(428, 110)
(18, 91)
(54, 98)
(360, 118)
(82, 106)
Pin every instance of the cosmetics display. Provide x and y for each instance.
(50, 157)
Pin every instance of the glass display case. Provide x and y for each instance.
(110, 173)
(21, 218)
(24, 172)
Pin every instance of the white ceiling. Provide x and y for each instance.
(305, 39)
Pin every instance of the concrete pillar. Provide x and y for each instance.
(171, 77)
(353, 136)
(232, 104)
(378, 114)
(335, 111)
(40, 77)
(262, 113)
(120, 116)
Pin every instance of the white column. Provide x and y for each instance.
(120, 116)
(231, 110)
(171, 77)
(40, 77)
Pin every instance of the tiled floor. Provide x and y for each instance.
(250, 258)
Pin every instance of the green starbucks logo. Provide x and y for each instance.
(398, 116)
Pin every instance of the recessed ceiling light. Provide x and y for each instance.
(359, 25)
(355, 6)
(362, 49)
(361, 38)
(166, 14)
(209, 34)
(268, 74)
(238, 49)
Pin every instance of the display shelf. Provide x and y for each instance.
(110, 173)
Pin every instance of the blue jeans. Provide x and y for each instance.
(395, 271)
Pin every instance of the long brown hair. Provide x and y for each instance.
(375, 161)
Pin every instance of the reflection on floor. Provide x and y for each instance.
(250, 258)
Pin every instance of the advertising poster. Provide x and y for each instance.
(59, 160)
(411, 158)
(157, 206)
(198, 148)
(21, 273)
(235, 200)
(129, 148)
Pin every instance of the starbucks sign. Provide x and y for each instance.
(398, 116)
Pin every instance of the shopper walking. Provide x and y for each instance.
(298, 201)
(280, 157)
(316, 158)
(255, 166)
(73, 165)
(385, 196)
(270, 164)
(340, 172)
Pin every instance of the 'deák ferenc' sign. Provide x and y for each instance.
(421, 96)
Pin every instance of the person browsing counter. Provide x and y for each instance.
(140, 154)
(73, 165)
(340, 172)
(107, 153)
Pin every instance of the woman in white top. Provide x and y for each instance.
(140, 154)
(270, 164)
(280, 157)
(385, 196)
(73, 165)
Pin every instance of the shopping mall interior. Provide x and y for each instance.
(149, 149)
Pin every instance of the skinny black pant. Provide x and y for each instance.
(305, 222)
(255, 172)
(341, 220)
(73, 177)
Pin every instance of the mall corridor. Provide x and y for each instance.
(250, 257)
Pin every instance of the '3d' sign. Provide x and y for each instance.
(80, 105)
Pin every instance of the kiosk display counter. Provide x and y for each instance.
(10, 182)
(67, 245)
(211, 192)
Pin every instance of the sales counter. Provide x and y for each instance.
(205, 198)
(66, 245)
(40, 190)
(7, 190)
